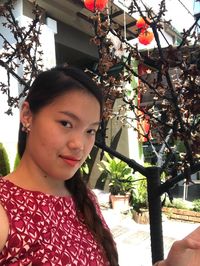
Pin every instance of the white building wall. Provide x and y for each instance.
(48, 43)
(9, 124)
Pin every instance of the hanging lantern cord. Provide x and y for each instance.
(108, 15)
(124, 23)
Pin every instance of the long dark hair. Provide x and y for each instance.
(47, 86)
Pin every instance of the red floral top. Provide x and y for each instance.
(45, 230)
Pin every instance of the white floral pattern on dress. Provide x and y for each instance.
(45, 230)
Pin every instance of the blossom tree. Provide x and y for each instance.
(169, 77)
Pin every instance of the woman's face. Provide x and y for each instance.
(62, 133)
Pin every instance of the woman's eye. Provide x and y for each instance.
(66, 124)
(92, 131)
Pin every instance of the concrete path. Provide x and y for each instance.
(133, 240)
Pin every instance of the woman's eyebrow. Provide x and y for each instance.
(70, 114)
(96, 123)
(75, 117)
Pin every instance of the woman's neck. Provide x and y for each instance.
(29, 177)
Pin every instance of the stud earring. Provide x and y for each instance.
(26, 128)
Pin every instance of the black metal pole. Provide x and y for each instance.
(155, 214)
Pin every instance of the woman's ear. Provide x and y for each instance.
(26, 116)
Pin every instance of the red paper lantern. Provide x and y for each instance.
(141, 24)
(144, 129)
(145, 37)
(95, 4)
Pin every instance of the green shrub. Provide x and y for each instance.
(196, 205)
(4, 161)
(177, 203)
(16, 162)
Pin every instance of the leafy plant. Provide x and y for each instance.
(196, 205)
(85, 169)
(177, 203)
(139, 199)
(4, 161)
(119, 174)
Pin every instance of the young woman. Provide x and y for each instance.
(47, 214)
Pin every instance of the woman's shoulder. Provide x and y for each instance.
(4, 183)
(3, 187)
(4, 223)
(6, 190)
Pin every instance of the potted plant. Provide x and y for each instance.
(120, 181)
(139, 202)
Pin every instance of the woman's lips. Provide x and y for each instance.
(70, 160)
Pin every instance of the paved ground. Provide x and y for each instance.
(133, 240)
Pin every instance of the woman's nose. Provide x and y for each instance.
(76, 142)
